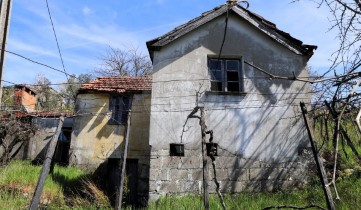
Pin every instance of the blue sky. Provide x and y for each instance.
(85, 28)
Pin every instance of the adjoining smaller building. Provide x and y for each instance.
(31, 104)
(101, 112)
(46, 124)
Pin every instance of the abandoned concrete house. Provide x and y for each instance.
(255, 120)
(212, 61)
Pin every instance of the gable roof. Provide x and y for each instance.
(118, 84)
(254, 19)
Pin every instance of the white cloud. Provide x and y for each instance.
(87, 11)
(95, 34)
(19, 46)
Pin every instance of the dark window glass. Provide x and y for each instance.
(232, 75)
(225, 74)
(233, 87)
(125, 109)
(216, 75)
(215, 64)
(232, 65)
(119, 106)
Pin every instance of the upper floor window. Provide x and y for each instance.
(119, 106)
(226, 74)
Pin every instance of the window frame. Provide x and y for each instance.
(119, 106)
(224, 71)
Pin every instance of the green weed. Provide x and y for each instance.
(65, 188)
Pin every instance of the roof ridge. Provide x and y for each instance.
(256, 20)
(119, 84)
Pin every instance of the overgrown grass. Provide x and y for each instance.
(66, 188)
(324, 135)
(349, 189)
(71, 188)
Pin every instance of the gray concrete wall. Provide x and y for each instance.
(263, 125)
(183, 175)
(46, 127)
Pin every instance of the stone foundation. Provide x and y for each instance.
(183, 175)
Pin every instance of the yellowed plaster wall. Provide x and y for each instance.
(94, 140)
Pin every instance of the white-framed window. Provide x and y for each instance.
(226, 74)
(119, 107)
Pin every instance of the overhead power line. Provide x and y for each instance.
(57, 44)
(56, 38)
(42, 85)
(36, 62)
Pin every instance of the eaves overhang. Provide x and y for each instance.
(267, 27)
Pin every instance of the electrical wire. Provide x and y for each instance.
(36, 62)
(224, 33)
(57, 44)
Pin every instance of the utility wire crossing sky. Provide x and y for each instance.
(85, 29)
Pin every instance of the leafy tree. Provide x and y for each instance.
(7, 100)
(70, 88)
(47, 98)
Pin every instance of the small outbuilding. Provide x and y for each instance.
(97, 145)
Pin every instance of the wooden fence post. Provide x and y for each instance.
(46, 166)
(204, 157)
(321, 170)
(5, 13)
(119, 200)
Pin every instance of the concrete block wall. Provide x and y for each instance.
(183, 175)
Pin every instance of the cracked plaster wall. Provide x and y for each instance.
(265, 124)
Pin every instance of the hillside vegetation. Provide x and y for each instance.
(70, 188)
(66, 188)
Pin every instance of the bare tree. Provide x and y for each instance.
(119, 62)
(338, 100)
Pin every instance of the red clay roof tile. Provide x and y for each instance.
(118, 84)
